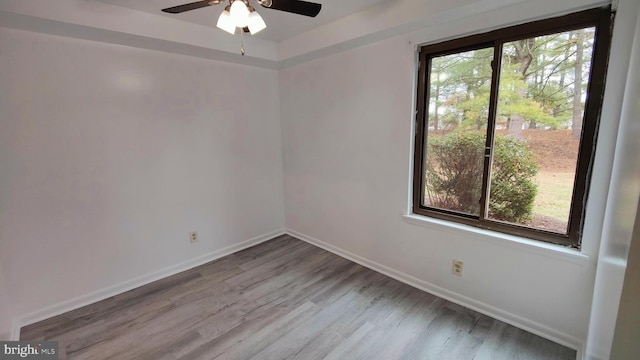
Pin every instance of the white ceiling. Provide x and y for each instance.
(280, 25)
(289, 39)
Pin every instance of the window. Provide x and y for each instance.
(506, 126)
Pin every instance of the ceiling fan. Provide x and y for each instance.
(240, 14)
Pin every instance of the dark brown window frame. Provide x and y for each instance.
(601, 19)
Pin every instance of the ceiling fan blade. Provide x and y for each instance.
(187, 7)
(295, 6)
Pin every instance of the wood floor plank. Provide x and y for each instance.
(346, 349)
(327, 322)
(267, 251)
(261, 339)
(407, 326)
(77, 340)
(286, 281)
(284, 299)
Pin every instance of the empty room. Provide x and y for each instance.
(331, 179)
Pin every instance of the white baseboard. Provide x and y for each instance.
(122, 287)
(507, 317)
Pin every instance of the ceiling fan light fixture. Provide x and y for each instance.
(226, 23)
(239, 13)
(256, 23)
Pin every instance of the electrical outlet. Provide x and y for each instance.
(457, 267)
(193, 236)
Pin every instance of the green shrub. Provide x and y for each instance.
(454, 175)
(512, 188)
(454, 171)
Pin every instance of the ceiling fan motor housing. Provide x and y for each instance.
(299, 7)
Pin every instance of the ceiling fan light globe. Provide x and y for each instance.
(256, 23)
(239, 13)
(225, 22)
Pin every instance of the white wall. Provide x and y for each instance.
(110, 155)
(347, 158)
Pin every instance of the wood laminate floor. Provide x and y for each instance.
(285, 299)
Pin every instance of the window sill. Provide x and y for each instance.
(497, 238)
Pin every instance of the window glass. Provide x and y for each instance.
(459, 92)
(543, 88)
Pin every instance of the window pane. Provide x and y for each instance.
(459, 90)
(543, 82)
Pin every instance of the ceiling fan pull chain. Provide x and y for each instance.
(241, 42)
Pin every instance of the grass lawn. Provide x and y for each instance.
(554, 194)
